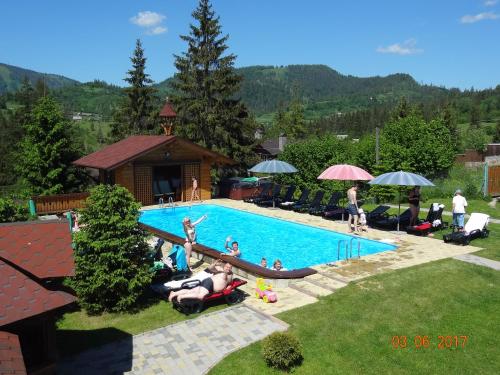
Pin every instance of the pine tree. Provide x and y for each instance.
(135, 115)
(44, 162)
(205, 87)
(450, 121)
(475, 116)
(110, 251)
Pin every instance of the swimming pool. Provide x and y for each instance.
(296, 245)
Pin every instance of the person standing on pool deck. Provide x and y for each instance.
(414, 202)
(352, 208)
(194, 190)
(190, 232)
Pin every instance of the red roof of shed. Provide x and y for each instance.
(119, 153)
(168, 111)
(11, 357)
(41, 248)
(22, 297)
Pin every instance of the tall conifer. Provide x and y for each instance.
(136, 114)
(205, 88)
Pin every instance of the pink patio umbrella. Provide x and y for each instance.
(345, 172)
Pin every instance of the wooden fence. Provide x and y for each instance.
(53, 204)
(494, 180)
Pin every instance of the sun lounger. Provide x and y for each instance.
(264, 194)
(332, 204)
(289, 205)
(277, 200)
(274, 197)
(230, 294)
(314, 203)
(431, 223)
(391, 222)
(476, 227)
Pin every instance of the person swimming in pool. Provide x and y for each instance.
(190, 232)
(214, 284)
(263, 262)
(278, 266)
(234, 249)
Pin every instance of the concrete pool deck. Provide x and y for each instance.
(411, 251)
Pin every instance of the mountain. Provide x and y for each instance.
(11, 78)
(265, 88)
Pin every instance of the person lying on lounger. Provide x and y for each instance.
(215, 267)
(214, 284)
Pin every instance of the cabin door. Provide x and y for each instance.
(144, 184)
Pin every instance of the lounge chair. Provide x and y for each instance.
(333, 204)
(264, 194)
(161, 189)
(174, 266)
(378, 213)
(289, 205)
(276, 201)
(274, 197)
(434, 221)
(230, 294)
(315, 203)
(476, 227)
(391, 222)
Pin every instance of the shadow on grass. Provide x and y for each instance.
(116, 357)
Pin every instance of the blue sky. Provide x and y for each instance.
(445, 43)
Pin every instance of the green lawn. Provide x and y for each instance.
(77, 331)
(350, 332)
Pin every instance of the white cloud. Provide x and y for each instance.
(479, 17)
(405, 48)
(157, 30)
(151, 21)
(490, 3)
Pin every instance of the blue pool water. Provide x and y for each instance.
(296, 245)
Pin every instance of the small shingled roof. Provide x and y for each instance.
(11, 356)
(119, 153)
(168, 111)
(42, 248)
(22, 297)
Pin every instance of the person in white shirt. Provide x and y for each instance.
(459, 203)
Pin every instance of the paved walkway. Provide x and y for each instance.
(448, 213)
(469, 258)
(190, 347)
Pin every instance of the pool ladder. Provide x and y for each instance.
(348, 246)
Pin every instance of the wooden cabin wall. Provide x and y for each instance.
(124, 176)
(205, 180)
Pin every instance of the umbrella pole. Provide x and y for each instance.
(399, 207)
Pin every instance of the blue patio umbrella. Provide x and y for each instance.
(401, 178)
(273, 167)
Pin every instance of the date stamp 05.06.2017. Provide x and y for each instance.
(440, 342)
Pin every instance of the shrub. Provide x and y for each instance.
(110, 252)
(10, 211)
(282, 351)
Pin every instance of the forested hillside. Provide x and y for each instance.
(265, 88)
(11, 78)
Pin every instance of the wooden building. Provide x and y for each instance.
(154, 166)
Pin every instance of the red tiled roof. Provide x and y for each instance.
(11, 357)
(41, 248)
(119, 153)
(168, 111)
(21, 297)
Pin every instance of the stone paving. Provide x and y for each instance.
(190, 347)
(480, 261)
